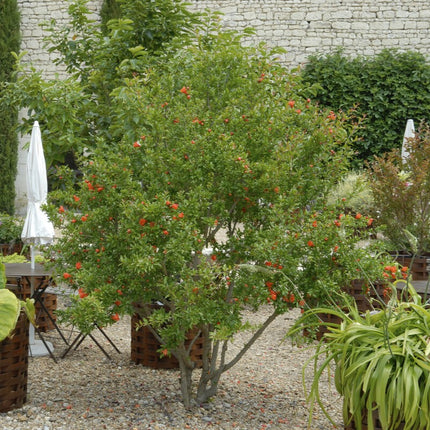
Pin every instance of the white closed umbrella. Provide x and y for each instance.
(409, 134)
(38, 229)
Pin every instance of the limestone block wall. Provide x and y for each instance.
(305, 27)
(33, 14)
(302, 27)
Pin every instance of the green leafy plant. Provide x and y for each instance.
(10, 308)
(10, 228)
(110, 10)
(74, 112)
(222, 159)
(385, 89)
(10, 40)
(401, 194)
(353, 194)
(201, 159)
(381, 363)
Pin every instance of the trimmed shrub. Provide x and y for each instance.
(386, 90)
(110, 10)
(9, 41)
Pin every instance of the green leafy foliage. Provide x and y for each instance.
(10, 228)
(9, 41)
(381, 363)
(401, 195)
(110, 10)
(200, 161)
(385, 90)
(10, 308)
(75, 112)
(222, 159)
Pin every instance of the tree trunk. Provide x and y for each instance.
(211, 374)
(186, 367)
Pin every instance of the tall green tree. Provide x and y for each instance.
(81, 104)
(9, 41)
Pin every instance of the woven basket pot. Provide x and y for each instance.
(43, 322)
(144, 348)
(417, 265)
(14, 367)
(376, 423)
(367, 297)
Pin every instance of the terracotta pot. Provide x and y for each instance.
(14, 367)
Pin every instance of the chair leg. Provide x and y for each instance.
(45, 344)
(98, 344)
(78, 340)
(54, 323)
(109, 340)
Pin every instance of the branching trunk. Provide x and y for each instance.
(186, 367)
(208, 384)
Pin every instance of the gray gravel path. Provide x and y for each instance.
(86, 391)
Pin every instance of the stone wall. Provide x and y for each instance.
(33, 14)
(305, 27)
(302, 27)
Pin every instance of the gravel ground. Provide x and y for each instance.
(87, 391)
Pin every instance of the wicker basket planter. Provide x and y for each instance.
(322, 329)
(364, 423)
(14, 367)
(367, 297)
(43, 322)
(418, 265)
(9, 249)
(144, 348)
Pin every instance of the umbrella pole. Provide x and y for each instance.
(33, 256)
(31, 328)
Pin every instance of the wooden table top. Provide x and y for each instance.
(24, 269)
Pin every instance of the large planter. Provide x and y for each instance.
(365, 425)
(14, 367)
(43, 322)
(368, 296)
(10, 248)
(145, 348)
(322, 329)
(418, 265)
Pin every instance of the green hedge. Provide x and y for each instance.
(110, 10)
(387, 90)
(9, 41)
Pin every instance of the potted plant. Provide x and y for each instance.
(15, 315)
(381, 364)
(401, 196)
(10, 233)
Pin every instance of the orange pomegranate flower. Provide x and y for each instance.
(82, 293)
